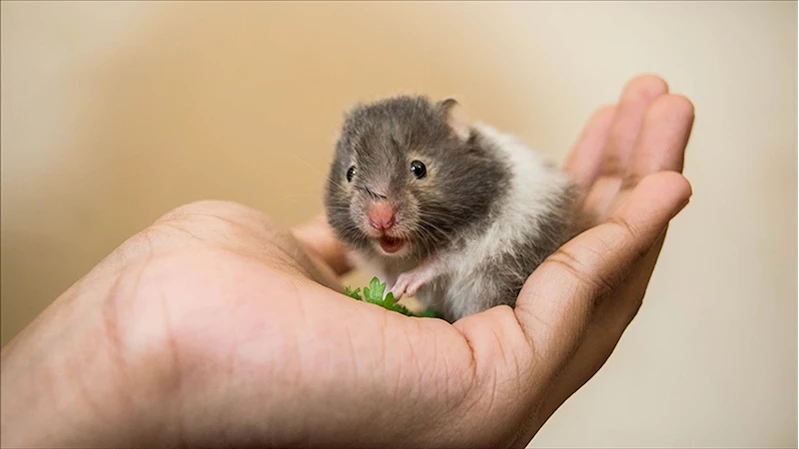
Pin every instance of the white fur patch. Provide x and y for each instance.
(534, 184)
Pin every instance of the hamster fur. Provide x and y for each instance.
(465, 235)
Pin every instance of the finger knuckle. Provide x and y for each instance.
(624, 226)
(633, 234)
(612, 164)
(631, 180)
(572, 265)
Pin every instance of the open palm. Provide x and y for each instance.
(217, 326)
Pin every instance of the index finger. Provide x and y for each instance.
(556, 303)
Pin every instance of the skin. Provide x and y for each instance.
(216, 326)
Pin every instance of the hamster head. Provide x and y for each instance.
(408, 177)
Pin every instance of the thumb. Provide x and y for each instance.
(557, 301)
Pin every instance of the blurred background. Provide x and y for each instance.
(115, 112)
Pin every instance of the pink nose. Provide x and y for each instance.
(381, 216)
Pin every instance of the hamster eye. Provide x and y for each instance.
(418, 169)
(350, 173)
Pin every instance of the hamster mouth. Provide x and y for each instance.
(391, 244)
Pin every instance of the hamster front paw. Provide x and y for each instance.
(410, 282)
(407, 284)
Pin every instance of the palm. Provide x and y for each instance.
(501, 350)
(236, 331)
(247, 292)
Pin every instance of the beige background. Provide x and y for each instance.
(113, 113)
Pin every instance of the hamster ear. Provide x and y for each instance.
(456, 118)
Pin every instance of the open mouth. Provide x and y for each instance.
(391, 244)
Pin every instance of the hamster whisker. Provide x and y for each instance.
(338, 183)
(308, 164)
(431, 225)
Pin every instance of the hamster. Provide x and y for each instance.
(454, 213)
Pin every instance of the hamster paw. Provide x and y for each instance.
(409, 283)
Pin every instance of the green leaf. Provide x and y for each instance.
(430, 313)
(374, 294)
(353, 293)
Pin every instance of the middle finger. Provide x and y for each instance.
(636, 98)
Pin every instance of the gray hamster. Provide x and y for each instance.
(454, 213)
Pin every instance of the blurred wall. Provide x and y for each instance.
(114, 112)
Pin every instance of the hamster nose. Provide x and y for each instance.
(381, 216)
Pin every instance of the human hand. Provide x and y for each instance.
(216, 326)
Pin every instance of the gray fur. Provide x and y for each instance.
(378, 138)
(467, 201)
